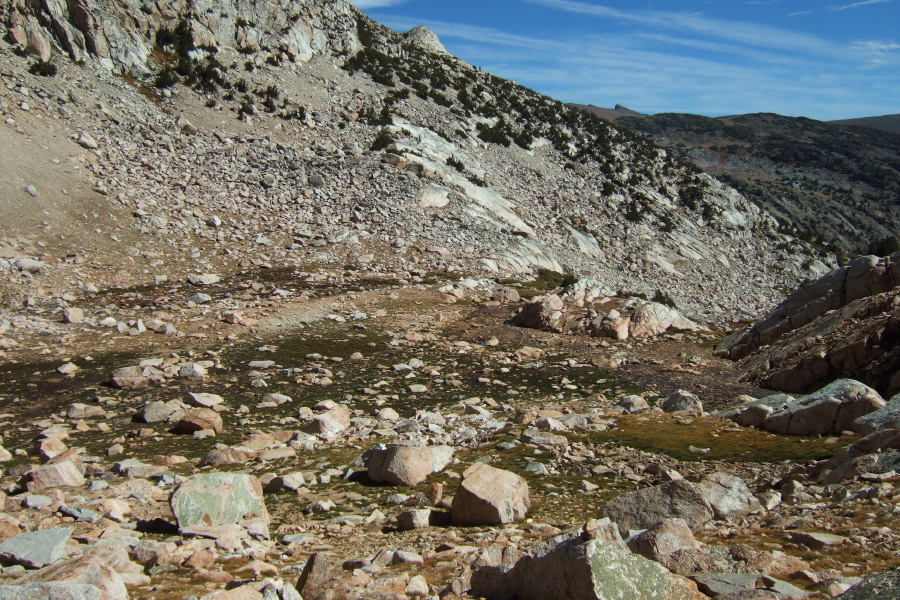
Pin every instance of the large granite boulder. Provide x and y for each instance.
(331, 422)
(664, 538)
(401, 464)
(830, 410)
(884, 586)
(546, 313)
(682, 400)
(886, 417)
(489, 496)
(214, 499)
(577, 569)
(653, 318)
(645, 508)
(62, 474)
(729, 496)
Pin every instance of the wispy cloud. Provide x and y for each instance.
(364, 4)
(858, 4)
(665, 69)
(752, 34)
(800, 13)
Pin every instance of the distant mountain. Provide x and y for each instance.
(836, 184)
(610, 114)
(886, 122)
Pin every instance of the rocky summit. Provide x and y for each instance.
(295, 306)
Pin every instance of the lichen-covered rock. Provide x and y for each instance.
(36, 549)
(884, 586)
(214, 499)
(583, 570)
(645, 508)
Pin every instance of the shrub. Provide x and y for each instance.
(44, 69)
(663, 298)
(382, 141)
(165, 78)
(885, 246)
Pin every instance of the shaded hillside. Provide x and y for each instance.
(833, 184)
(886, 122)
(610, 114)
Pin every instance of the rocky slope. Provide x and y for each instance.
(470, 172)
(845, 324)
(835, 184)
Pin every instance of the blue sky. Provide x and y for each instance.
(819, 59)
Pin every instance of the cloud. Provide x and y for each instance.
(752, 34)
(858, 4)
(875, 46)
(659, 69)
(365, 4)
(800, 13)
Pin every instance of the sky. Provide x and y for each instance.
(819, 59)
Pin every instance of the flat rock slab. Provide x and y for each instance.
(85, 570)
(213, 499)
(61, 474)
(54, 590)
(817, 541)
(36, 549)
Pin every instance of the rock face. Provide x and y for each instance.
(645, 508)
(407, 465)
(835, 408)
(36, 549)
(489, 496)
(109, 33)
(852, 316)
(214, 499)
(583, 570)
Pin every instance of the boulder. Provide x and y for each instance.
(129, 378)
(886, 417)
(407, 465)
(199, 419)
(214, 499)
(330, 422)
(489, 496)
(653, 318)
(632, 404)
(883, 586)
(544, 312)
(681, 400)
(204, 400)
(87, 570)
(54, 590)
(729, 496)
(314, 576)
(830, 410)
(62, 474)
(36, 549)
(155, 412)
(645, 508)
(664, 538)
(577, 569)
